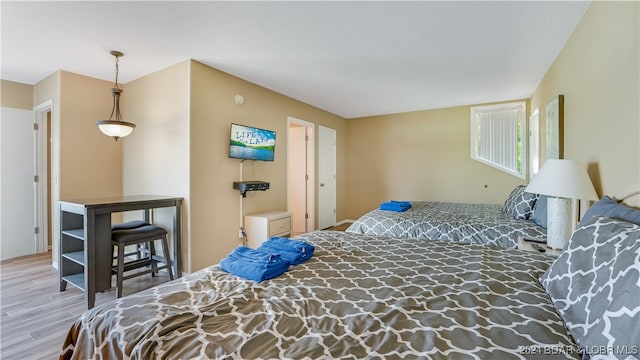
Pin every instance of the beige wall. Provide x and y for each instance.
(156, 154)
(422, 155)
(16, 95)
(597, 71)
(48, 89)
(181, 143)
(215, 206)
(90, 162)
(425, 155)
(86, 163)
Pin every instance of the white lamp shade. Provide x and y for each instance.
(115, 129)
(563, 178)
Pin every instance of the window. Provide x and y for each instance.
(498, 137)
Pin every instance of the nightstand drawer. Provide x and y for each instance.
(280, 226)
(261, 226)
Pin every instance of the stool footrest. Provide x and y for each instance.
(135, 264)
(161, 267)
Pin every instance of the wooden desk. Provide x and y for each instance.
(85, 253)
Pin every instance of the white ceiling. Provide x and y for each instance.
(353, 59)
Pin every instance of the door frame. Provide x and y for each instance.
(534, 143)
(41, 158)
(311, 169)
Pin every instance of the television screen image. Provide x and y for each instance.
(251, 143)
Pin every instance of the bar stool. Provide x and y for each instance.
(145, 234)
(128, 226)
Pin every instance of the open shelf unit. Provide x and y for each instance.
(72, 249)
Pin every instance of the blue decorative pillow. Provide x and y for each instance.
(611, 208)
(595, 286)
(519, 204)
(540, 212)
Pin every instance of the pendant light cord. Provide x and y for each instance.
(117, 70)
(116, 94)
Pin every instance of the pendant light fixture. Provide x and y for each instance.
(116, 128)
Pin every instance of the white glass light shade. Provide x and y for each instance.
(563, 178)
(115, 129)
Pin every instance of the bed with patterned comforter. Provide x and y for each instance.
(467, 223)
(359, 296)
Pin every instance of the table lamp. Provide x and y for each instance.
(562, 181)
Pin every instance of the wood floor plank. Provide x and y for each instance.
(35, 316)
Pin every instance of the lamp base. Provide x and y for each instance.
(558, 222)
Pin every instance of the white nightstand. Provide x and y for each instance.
(536, 247)
(261, 226)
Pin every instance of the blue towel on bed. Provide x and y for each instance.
(294, 251)
(398, 206)
(254, 265)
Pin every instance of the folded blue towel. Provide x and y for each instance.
(254, 265)
(294, 251)
(398, 206)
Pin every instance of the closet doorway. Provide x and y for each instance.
(301, 174)
(44, 169)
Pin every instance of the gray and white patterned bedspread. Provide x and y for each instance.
(358, 297)
(467, 223)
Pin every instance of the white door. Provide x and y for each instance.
(326, 177)
(16, 184)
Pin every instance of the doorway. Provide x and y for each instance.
(43, 181)
(326, 177)
(301, 175)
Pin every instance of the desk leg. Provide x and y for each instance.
(90, 257)
(177, 239)
(98, 255)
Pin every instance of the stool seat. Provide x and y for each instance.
(138, 235)
(144, 236)
(129, 225)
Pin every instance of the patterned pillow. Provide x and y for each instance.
(595, 285)
(520, 204)
(539, 215)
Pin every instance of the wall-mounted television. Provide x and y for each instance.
(250, 143)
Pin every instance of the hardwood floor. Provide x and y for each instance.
(341, 227)
(35, 315)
